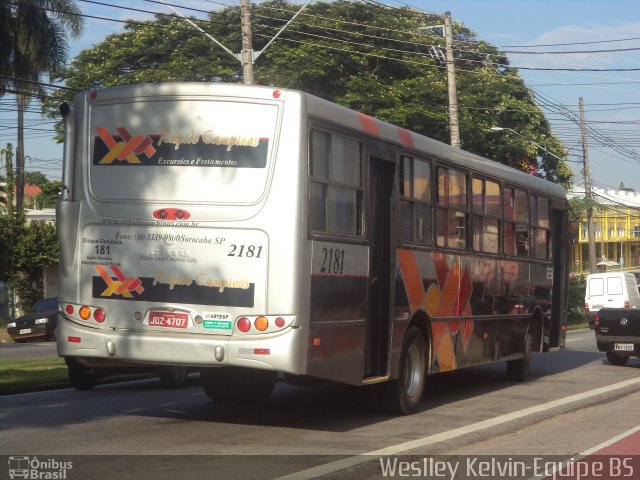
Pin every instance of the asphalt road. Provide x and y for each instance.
(23, 351)
(136, 428)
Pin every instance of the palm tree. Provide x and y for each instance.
(37, 31)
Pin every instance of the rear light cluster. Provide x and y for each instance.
(596, 322)
(85, 313)
(252, 325)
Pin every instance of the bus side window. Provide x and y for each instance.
(486, 215)
(516, 223)
(451, 214)
(415, 202)
(335, 188)
(540, 228)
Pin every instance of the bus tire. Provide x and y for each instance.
(174, 376)
(615, 359)
(403, 395)
(234, 384)
(82, 378)
(518, 370)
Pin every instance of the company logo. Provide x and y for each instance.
(124, 147)
(26, 467)
(121, 285)
(624, 321)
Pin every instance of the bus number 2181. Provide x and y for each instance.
(332, 261)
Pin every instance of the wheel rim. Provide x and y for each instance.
(413, 370)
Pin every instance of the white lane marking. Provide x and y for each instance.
(576, 458)
(338, 465)
(574, 339)
(610, 441)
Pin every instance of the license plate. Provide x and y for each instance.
(25, 331)
(595, 308)
(168, 319)
(623, 347)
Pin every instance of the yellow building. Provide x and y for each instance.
(616, 230)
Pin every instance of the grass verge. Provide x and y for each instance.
(35, 374)
(4, 336)
(577, 321)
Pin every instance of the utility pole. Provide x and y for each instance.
(587, 189)
(247, 56)
(10, 179)
(19, 174)
(247, 46)
(451, 81)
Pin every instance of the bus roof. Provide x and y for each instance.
(338, 115)
(414, 141)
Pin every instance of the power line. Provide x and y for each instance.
(593, 42)
(41, 84)
(572, 52)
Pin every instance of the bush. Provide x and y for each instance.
(577, 288)
(576, 318)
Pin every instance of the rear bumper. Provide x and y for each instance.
(608, 344)
(281, 352)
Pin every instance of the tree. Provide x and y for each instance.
(578, 207)
(36, 31)
(9, 181)
(9, 225)
(374, 60)
(25, 249)
(36, 248)
(49, 195)
(35, 178)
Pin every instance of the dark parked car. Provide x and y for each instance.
(39, 323)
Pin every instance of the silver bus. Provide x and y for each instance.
(260, 234)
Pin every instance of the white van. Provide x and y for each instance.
(610, 290)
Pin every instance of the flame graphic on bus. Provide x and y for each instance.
(121, 285)
(447, 298)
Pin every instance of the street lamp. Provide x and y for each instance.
(500, 129)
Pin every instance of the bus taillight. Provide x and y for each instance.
(84, 312)
(99, 315)
(243, 324)
(261, 324)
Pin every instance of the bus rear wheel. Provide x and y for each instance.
(615, 359)
(403, 395)
(234, 384)
(174, 376)
(82, 378)
(518, 370)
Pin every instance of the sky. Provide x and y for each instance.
(611, 98)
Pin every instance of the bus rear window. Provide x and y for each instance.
(181, 150)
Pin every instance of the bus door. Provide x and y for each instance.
(381, 266)
(559, 294)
